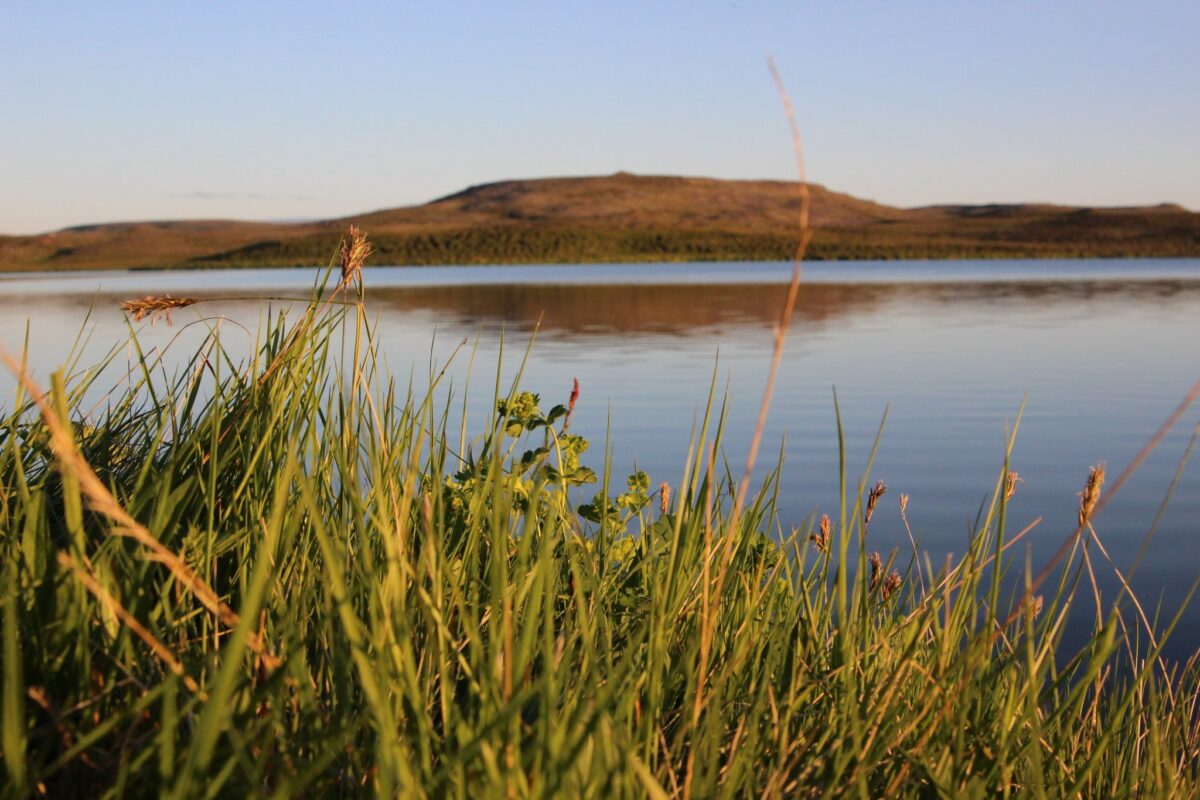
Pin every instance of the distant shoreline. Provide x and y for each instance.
(35, 270)
(649, 275)
(626, 218)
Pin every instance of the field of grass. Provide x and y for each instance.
(628, 218)
(295, 575)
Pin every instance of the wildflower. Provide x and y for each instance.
(571, 404)
(571, 446)
(520, 412)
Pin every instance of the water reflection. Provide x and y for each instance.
(688, 310)
(691, 310)
(670, 299)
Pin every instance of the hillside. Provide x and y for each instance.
(626, 217)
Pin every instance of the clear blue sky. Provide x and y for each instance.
(259, 110)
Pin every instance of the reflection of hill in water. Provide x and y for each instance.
(683, 309)
(672, 309)
(678, 309)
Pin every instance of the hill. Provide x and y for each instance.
(626, 217)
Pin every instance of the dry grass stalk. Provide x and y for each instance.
(911, 539)
(1098, 503)
(1192, 396)
(711, 601)
(155, 306)
(1089, 505)
(785, 315)
(354, 252)
(355, 249)
(101, 501)
(112, 604)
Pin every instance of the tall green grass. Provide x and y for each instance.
(294, 574)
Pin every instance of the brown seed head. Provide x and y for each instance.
(821, 538)
(1090, 495)
(355, 249)
(1011, 479)
(872, 498)
(664, 497)
(152, 307)
(903, 503)
(891, 585)
(876, 570)
(1035, 605)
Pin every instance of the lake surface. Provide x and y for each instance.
(1101, 352)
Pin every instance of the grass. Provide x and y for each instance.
(293, 575)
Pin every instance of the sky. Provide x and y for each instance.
(262, 110)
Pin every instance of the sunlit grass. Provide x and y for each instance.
(295, 575)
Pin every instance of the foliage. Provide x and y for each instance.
(279, 577)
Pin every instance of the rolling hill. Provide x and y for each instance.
(625, 217)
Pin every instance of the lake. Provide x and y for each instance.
(1100, 352)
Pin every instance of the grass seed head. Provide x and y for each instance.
(821, 537)
(355, 249)
(891, 585)
(664, 497)
(877, 491)
(1011, 480)
(154, 306)
(876, 570)
(1090, 495)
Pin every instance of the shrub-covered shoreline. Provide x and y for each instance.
(626, 218)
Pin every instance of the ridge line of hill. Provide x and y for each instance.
(625, 217)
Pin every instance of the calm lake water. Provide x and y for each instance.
(1100, 352)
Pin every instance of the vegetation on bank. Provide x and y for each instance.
(296, 575)
(628, 218)
(509, 245)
